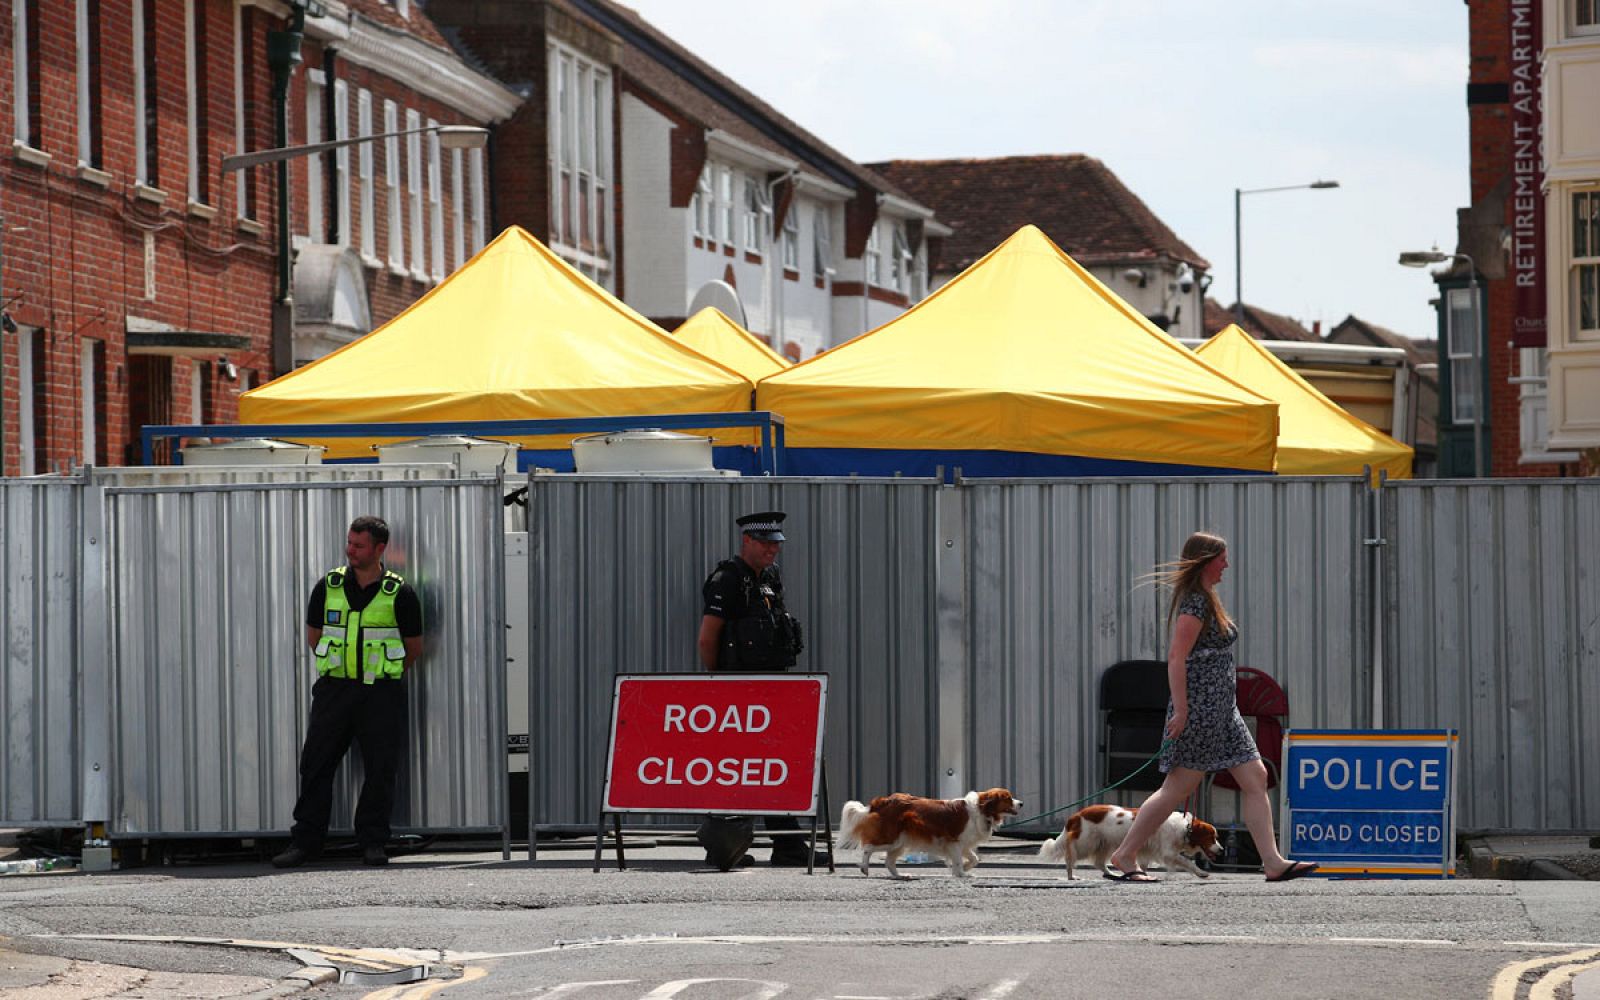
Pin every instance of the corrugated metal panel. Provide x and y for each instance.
(220, 475)
(39, 663)
(1054, 591)
(211, 676)
(1492, 626)
(616, 569)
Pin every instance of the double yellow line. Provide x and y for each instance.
(1545, 987)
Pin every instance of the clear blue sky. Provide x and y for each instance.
(1183, 101)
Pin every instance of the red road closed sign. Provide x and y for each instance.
(716, 743)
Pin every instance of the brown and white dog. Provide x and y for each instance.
(951, 829)
(1095, 832)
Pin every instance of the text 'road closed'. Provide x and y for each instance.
(716, 743)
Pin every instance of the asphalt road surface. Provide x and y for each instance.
(667, 927)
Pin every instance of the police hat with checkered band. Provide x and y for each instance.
(766, 526)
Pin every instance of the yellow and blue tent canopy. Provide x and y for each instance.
(1023, 364)
(716, 336)
(514, 334)
(1316, 436)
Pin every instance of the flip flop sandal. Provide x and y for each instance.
(1138, 875)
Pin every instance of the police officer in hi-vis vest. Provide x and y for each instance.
(745, 627)
(364, 627)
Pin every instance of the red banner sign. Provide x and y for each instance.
(716, 743)
(1525, 207)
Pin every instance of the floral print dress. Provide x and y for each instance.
(1215, 738)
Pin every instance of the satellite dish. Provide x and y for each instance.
(721, 295)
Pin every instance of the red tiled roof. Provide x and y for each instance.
(1075, 199)
(1258, 323)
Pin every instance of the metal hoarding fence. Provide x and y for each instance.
(1491, 625)
(210, 675)
(41, 622)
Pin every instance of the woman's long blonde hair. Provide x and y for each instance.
(1184, 576)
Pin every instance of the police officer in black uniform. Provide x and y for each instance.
(745, 627)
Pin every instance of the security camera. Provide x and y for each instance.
(1186, 283)
(229, 370)
(1136, 276)
(7, 323)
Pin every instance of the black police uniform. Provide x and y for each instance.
(758, 636)
(345, 709)
(758, 633)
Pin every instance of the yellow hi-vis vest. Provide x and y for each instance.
(383, 651)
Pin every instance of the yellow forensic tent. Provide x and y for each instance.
(1023, 364)
(1316, 437)
(514, 334)
(721, 339)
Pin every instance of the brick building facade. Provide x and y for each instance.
(1522, 284)
(138, 280)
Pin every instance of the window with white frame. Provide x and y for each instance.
(419, 262)
(29, 361)
(700, 204)
(458, 208)
(725, 205)
(873, 259)
(197, 392)
(821, 242)
(435, 206)
(1461, 329)
(88, 37)
(146, 158)
(89, 362)
(369, 244)
(24, 71)
(480, 214)
(196, 70)
(1585, 17)
(241, 178)
(580, 159)
(900, 260)
(791, 237)
(1586, 265)
(341, 161)
(755, 210)
(391, 186)
(314, 223)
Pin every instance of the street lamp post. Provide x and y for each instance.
(450, 137)
(1422, 258)
(1238, 264)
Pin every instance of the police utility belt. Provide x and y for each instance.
(382, 654)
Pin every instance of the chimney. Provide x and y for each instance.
(1316, 328)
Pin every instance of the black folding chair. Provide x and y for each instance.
(1133, 713)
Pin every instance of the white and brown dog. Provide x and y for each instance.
(1095, 832)
(950, 829)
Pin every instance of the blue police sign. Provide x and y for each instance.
(1372, 802)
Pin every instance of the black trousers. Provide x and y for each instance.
(374, 717)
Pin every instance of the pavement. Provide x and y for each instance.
(1533, 856)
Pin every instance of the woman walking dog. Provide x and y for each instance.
(1206, 731)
